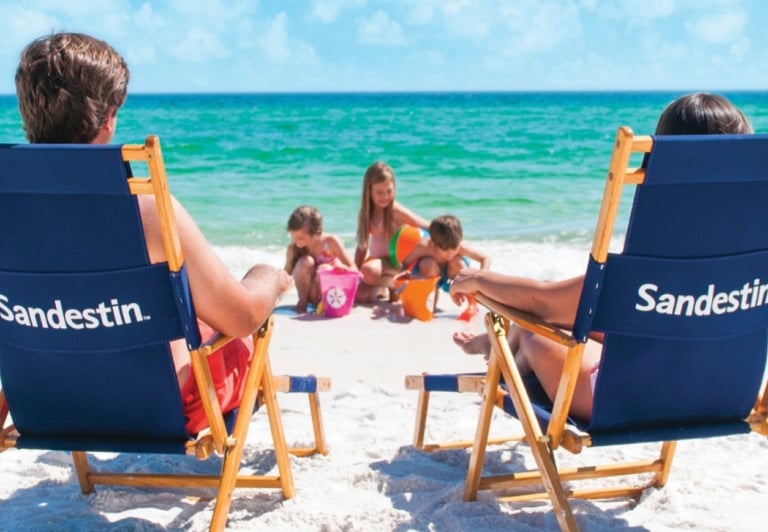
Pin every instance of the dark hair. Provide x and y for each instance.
(701, 113)
(68, 86)
(308, 218)
(445, 232)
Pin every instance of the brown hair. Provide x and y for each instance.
(445, 232)
(701, 113)
(378, 172)
(68, 86)
(308, 218)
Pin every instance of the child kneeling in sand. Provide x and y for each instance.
(311, 250)
(443, 254)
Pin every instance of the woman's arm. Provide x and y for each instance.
(553, 301)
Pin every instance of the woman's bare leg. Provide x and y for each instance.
(546, 359)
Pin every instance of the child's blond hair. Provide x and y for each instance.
(378, 172)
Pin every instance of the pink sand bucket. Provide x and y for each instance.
(339, 287)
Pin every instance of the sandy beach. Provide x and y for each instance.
(373, 479)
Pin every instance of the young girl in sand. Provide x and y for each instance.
(310, 251)
(380, 216)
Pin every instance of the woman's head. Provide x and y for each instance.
(69, 85)
(701, 113)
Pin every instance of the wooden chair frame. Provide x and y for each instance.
(544, 444)
(260, 386)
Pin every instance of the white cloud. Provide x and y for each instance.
(199, 46)
(649, 9)
(328, 10)
(719, 28)
(274, 41)
(379, 29)
(740, 48)
(539, 27)
(279, 48)
(462, 18)
(147, 18)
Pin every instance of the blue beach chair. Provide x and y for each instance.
(684, 311)
(85, 322)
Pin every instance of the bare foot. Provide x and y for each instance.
(473, 344)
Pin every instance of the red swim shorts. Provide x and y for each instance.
(229, 366)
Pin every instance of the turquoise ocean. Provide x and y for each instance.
(523, 171)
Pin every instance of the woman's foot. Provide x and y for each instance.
(473, 344)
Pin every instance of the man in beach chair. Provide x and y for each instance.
(98, 326)
(681, 313)
(86, 321)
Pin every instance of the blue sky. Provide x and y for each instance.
(404, 45)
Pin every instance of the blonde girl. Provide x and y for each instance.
(380, 216)
(310, 251)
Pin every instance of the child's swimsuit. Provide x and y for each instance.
(377, 242)
(445, 282)
(325, 256)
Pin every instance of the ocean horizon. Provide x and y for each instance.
(524, 171)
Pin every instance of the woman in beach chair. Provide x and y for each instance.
(556, 301)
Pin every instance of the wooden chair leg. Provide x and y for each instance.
(503, 361)
(317, 423)
(278, 434)
(420, 427)
(477, 458)
(259, 378)
(83, 471)
(667, 454)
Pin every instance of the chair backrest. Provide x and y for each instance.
(684, 307)
(85, 319)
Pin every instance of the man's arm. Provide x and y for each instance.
(231, 307)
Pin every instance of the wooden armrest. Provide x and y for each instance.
(216, 342)
(283, 383)
(528, 321)
(464, 383)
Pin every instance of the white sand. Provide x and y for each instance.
(373, 479)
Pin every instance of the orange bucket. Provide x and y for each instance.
(418, 297)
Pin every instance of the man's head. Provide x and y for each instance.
(69, 85)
